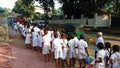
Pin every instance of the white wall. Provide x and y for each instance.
(97, 21)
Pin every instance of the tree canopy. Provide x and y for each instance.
(86, 7)
(24, 7)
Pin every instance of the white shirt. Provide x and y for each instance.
(42, 32)
(36, 29)
(75, 40)
(46, 42)
(107, 52)
(34, 35)
(116, 57)
(57, 44)
(81, 44)
(49, 35)
(100, 39)
(59, 35)
(71, 44)
(100, 54)
(64, 43)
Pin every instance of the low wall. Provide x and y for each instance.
(97, 21)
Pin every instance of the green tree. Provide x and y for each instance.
(24, 7)
(55, 12)
(37, 16)
(8, 12)
(48, 5)
(86, 7)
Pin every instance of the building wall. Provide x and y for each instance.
(97, 21)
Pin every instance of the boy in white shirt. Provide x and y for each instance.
(58, 54)
(46, 46)
(64, 43)
(82, 50)
(71, 53)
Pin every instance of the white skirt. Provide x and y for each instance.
(34, 41)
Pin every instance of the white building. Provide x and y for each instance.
(38, 9)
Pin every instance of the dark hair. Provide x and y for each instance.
(115, 48)
(100, 46)
(81, 36)
(32, 30)
(74, 34)
(108, 45)
(56, 35)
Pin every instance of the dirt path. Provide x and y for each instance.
(23, 57)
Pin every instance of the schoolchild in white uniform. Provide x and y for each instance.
(28, 37)
(82, 51)
(36, 29)
(58, 53)
(115, 57)
(34, 39)
(72, 53)
(42, 31)
(65, 48)
(39, 40)
(15, 27)
(107, 53)
(24, 29)
(75, 41)
(46, 46)
(99, 61)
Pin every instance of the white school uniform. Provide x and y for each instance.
(28, 39)
(81, 44)
(100, 54)
(107, 54)
(39, 41)
(36, 29)
(116, 57)
(15, 26)
(76, 40)
(42, 32)
(46, 44)
(59, 35)
(71, 53)
(57, 44)
(50, 35)
(34, 39)
(64, 43)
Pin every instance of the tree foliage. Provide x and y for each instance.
(37, 16)
(24, 7)
(46, 4)
(86, 7)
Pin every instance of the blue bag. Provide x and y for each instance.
(88, 60)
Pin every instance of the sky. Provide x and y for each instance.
(7, 3)
(10, 4)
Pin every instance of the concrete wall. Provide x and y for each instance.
(97, 21)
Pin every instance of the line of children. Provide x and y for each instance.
(56, 43)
